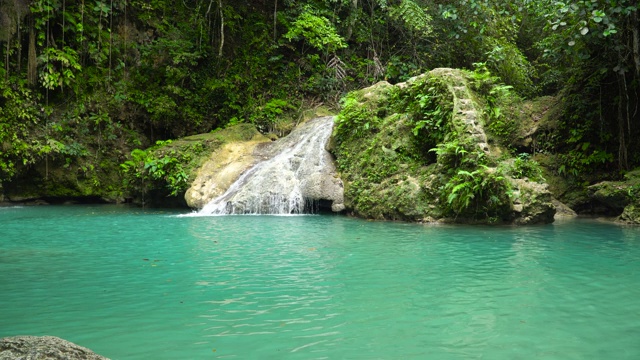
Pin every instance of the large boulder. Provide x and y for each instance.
(223, 167)
(620, 197)
(44, 348)
(533, 203)
(630, 215)
(616, 195)
(418, 151)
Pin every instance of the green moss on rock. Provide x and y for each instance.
(166, 170)
(418, 151)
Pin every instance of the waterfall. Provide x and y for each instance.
(296, 174)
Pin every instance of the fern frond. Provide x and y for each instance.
(338, 66)
(413, 15)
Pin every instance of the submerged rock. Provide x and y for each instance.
(44, 348)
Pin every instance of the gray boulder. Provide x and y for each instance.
(43, 348)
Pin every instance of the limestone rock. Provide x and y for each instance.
(630, 215)
(223, 168)
(43, 348)
(562, 210)
(396, 169)
(533, 203)
(273, 177)
(612, 194)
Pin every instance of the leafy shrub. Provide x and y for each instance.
(471, 188)
(456, 154)
(482, 191)
(525, 167)
(355, 119)
(159, 169)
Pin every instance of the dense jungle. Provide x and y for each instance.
(119, 100)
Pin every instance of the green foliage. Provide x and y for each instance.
(455, 154)
(580, 162)
(270, 117)
(58, 67)
(19, 115)
(148, 169)
(315, 30)
(428, 103)
(470, 188)
(112, 76)
(356, 119)
(414, 16)
(497, 96)
(525, 167)
(512, 67)
(481, 192)
(488, 32)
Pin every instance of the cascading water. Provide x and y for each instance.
(297, 173)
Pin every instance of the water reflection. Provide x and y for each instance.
(151, 285)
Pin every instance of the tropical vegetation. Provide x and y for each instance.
(88, 86)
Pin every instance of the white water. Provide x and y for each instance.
(288, 182)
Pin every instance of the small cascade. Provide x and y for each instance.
(298, 172)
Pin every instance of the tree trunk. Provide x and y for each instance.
(623, 163)
(221, 29)
(19, 62)
(635, 31)
(31, 64)
(275, 20)
(6, 74)
(353, 19)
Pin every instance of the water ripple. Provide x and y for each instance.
(150, 285)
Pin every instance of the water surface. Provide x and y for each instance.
(136, 284)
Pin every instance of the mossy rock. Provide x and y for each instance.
(186, 156)
(620, 197)
(409, 151)
(526, 124)
(631, 214)
(567, 191)
(198, 147)
(57, 182)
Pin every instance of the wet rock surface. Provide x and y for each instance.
(281, 177)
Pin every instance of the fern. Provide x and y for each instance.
(338, 66)
(413, 16)
(474, 192)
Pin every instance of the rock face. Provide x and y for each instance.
(418, 151)
(620, 197)
(533, 203)
(282, 177)
(222, 169)
(43, 348)
(466, 116)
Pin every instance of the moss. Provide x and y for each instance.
(631, 214)
(59, 181)
(170, 166)
(383, 141)
(417, 151)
